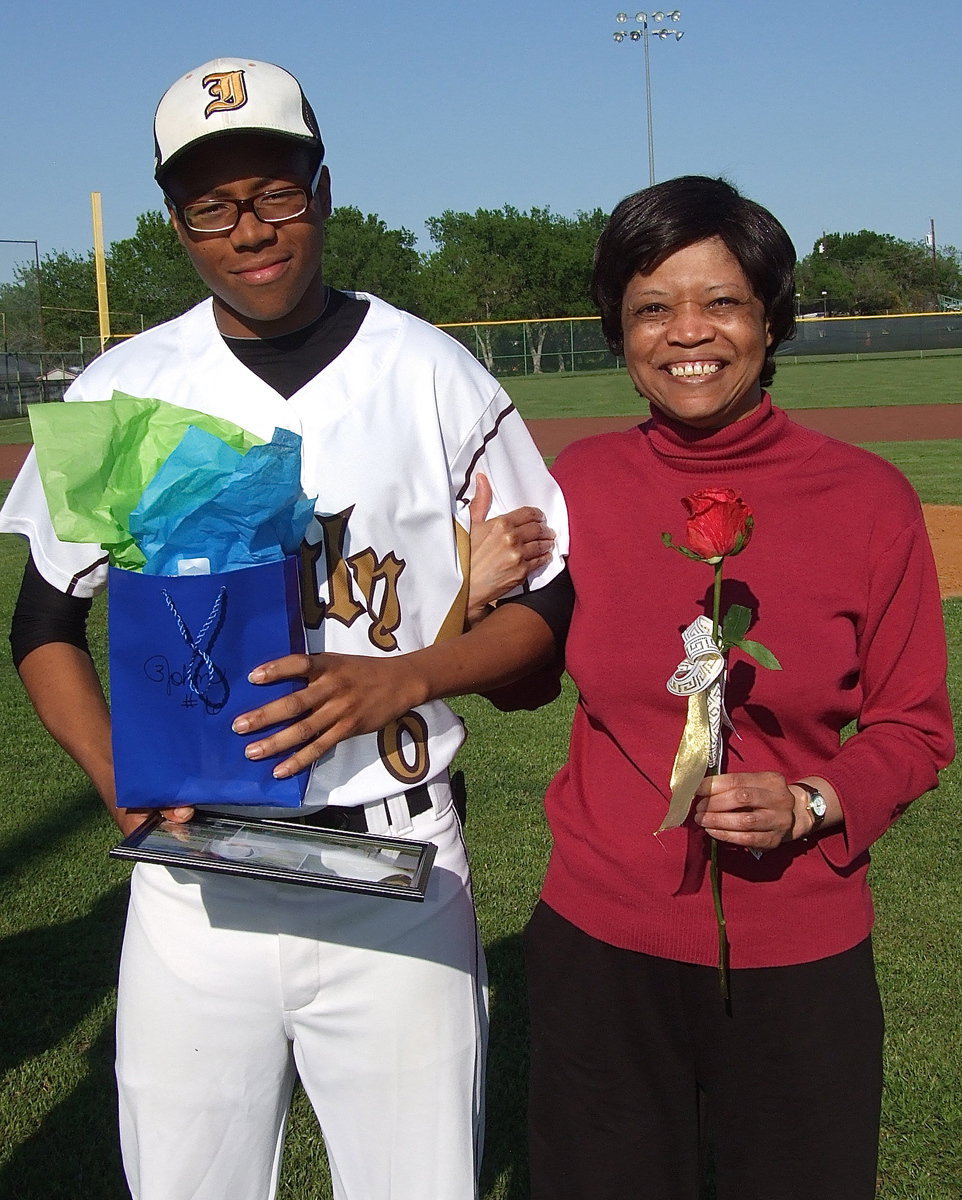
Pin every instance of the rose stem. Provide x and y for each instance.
(714, 869)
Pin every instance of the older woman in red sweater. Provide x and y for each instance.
(639, 1063)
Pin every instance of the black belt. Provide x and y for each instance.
(353, 819)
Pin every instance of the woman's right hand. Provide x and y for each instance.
(759, 810)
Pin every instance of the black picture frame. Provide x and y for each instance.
(285, 852)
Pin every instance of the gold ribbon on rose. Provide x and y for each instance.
(701, 677)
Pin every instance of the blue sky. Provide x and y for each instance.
(836, 116)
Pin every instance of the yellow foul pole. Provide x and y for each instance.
(100, 267)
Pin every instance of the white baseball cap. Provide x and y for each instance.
(232, 95)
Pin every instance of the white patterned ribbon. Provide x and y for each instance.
(701, 677)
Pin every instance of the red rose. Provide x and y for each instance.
(719, 522)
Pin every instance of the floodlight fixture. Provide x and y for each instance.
(645, 20)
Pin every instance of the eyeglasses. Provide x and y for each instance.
(221, 216)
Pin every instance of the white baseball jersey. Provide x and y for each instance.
(394, 431)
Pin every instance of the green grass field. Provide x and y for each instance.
(14, 430)
(62, 901)
(810, 384)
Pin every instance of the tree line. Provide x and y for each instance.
(484, 266)
(489, 265)
(866, 273)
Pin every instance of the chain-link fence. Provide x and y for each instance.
(511, 348)
(922, 333)
(575, 343)
(535, 347)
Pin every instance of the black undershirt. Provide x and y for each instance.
(288, 362)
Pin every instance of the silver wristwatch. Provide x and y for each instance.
(817, 805)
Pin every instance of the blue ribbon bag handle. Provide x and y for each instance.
(204, 678)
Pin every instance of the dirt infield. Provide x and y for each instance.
(897, 423)
(11, 460)
(944, 523)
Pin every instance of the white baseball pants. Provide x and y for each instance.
(229, 986)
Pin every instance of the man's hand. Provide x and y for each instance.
(504, 550)
(346, 694)
(349, 694)
(129, 819)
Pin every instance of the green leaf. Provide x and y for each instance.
(761, 654)
(666, 540)
(736, 623)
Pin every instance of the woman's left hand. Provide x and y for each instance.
(504, 550)
(755, 810)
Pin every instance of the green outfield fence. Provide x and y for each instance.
(511, 348)
(34, 378)
(575, 343)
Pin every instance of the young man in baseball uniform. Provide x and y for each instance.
(230, 988)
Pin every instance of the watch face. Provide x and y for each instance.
(817, 805)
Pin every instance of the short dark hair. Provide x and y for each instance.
(648, 226)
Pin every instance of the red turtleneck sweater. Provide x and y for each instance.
(841, 582)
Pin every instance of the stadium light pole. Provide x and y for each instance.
(36, 259)
(935, 261)
(663, 33)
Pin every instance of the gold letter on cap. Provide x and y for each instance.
(228, 91)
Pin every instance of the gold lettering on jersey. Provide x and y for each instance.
(377, 583)
(358, 584)
(403, 743)
(228, 90)
(403, 747)
(312, 606)
(456, 620)
(342, 604)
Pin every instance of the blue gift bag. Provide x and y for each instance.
(181, 648)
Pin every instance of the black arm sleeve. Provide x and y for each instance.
(553, 603)
(43, 614)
